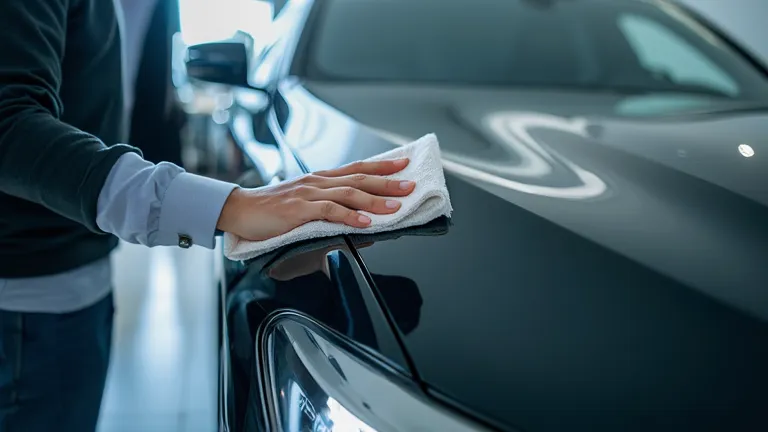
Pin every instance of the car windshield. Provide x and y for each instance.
(613, 45)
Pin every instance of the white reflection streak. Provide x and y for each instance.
(512, 129)
(267, 155)
(327, 146)
(294, 416)
(592, 185)
(343, 420)
(161, 319)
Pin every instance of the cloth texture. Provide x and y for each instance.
(53, 368)
(428, 201)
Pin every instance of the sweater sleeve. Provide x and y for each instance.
(43, 159)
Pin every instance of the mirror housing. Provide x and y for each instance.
(219, 62)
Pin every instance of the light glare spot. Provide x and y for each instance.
(746, 150)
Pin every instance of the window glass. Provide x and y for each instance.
(589, 44)
(663, 52)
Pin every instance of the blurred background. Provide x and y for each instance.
(164, 370)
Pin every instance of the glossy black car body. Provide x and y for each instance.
(604, 270)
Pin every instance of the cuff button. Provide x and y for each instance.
(185, 242)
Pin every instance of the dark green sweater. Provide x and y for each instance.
(60, 101)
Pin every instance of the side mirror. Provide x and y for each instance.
(219, 62)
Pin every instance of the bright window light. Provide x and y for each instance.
(211, 20)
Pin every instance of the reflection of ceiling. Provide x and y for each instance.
(537, 160)
(591, 186)
(656, 105)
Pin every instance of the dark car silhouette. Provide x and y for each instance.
(605, 265)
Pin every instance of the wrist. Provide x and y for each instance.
(229, 212)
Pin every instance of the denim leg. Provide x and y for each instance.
(53, 368)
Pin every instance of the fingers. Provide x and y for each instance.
(367, 183)
(337, 213)
(337, 195)
(379, 168)
(355, 199)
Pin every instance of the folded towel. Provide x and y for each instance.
(428, 201)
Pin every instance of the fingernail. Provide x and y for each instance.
(392, 204)
(364, 219)
(405, 185)
(401, 162)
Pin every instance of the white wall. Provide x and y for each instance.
(743, 19)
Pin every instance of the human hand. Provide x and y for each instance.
(334, 195)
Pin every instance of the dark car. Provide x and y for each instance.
(605, 267)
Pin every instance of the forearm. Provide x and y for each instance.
(48, 162)
(155, 205)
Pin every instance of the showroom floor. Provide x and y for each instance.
(163, 372)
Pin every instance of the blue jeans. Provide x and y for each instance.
(53, 368)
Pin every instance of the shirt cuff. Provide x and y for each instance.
(190, 210)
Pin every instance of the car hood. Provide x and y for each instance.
(606, 255)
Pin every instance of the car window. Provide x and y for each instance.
(591, 44)
(661, 51)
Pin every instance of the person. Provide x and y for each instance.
(69, 189)
(156, 117)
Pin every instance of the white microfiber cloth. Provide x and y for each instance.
(428, 201)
